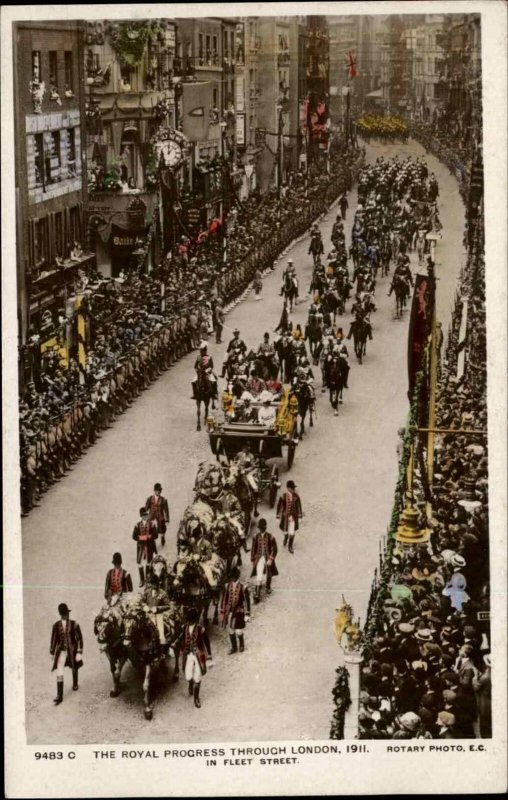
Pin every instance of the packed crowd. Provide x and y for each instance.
(427, 669)
(384, 127)
(137, 326)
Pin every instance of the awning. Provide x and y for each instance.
(375, 93)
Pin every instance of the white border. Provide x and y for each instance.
(377, 772)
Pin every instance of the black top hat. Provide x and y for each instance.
(157, 487)
(142, 511)
(192, 615)
(117, 559)
(291, 485)
(63, 609)
(262, 524)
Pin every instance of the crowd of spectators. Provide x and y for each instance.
(427, 668)
(138, 324)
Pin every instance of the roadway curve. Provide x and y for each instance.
(346, 469)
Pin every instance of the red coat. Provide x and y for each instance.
(264, 544)
(158, 509)
(72, 638)
(124, 580)
(145, 534)
(198, 643)
(289, 504)
(235, 601)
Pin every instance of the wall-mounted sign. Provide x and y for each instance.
(240, 128)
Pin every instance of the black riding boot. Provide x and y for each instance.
(197, 702)
(241, 643)
(233, 648)
(59, 691)
(268, 583)
(286, 537)
(191, 687)
(75, 685)
(257, 596)
(141, 577)
(291, 542)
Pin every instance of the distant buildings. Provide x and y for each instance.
(50, 174)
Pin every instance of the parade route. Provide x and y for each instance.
(345, 470)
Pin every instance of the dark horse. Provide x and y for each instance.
(335, 381)
(401, 289)
(206, 390)
(108, 630)
(290, 289)
(314, 332)
(304, 393)
(360, 329)
(141, 640)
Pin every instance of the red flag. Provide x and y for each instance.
(351, 65)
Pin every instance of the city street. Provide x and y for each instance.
(345, 470)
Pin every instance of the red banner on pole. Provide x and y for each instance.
(419, 326)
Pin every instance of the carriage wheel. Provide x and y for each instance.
(291, 454)
(273, 486)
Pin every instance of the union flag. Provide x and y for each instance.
(351, 65)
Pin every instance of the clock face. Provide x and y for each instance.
(172, 153)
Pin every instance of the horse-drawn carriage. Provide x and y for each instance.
(260, 442)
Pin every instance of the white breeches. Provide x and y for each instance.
(62, 658)
(192, 669)
(260, 571)
(158, 620)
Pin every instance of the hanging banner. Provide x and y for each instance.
(419, 326)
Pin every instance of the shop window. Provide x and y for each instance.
(75, 228)
(201, 52)
(39, 159)
(53, 68)
(40, 243)
(36, 66)
(68, 71)
(58, 233)
(71, 153)
(52, 157)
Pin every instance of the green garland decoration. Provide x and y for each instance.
(380, 589)
(342, 700)
(130, 48)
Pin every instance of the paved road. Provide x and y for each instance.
(346, 468)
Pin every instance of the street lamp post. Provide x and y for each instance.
(280, 147)
(223, 126)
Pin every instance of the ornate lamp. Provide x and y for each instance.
(468, 495)
(408, 533)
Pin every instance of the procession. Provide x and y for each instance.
(214, 423)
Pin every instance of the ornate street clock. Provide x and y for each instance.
(171, 146)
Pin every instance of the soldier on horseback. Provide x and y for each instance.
(235, 348)
(204, 371)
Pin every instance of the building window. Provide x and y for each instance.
(201, 51)
(68, 71)
(232, 46)
(36, 66)
(39, 159)
(52, 157)
(225, 46)
(53, 68)
(208, 54)
(215, 55)
(189, 49)
(40, 243)
(58, 232)
(71, 153)
(215, 98)
(75, 231)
